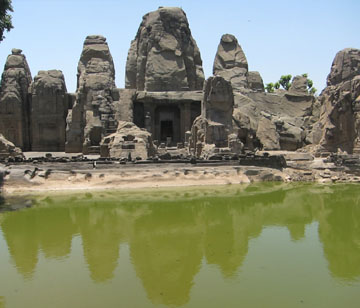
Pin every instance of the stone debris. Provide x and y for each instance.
(8, 149)
(128, 142)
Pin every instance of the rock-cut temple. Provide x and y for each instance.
(167, 103)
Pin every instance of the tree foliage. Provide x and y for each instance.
(5, 17)
(269, 87)
(310, 85)
(285, 83)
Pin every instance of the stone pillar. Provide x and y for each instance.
(187, 116)
(185, 119)
(149, 110)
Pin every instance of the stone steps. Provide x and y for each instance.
(94, 150)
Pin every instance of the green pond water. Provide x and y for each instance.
(235, 246)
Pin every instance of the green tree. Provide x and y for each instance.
(285, 81)
(310, 84)
(5, 17)
(269, 87)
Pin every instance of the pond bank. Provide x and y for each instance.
(55, 176)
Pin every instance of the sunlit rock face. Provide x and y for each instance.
(269, 121)
(128, 142)
(213, 128)
(14, 100)
(230, 62)
(164, 56)
(93, 115)
(7, 148)
(339, 124)
(49, 107)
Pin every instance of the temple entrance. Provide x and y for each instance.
(139, 114)
(166, 130)
(167, 124)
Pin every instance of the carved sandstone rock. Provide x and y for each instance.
(340, 112)
(214, 125)
(14, 100)
(129, 141)
(164, 56)
(49, 109)
(93, 115)
(230, 62)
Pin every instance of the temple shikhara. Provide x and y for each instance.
(167, 105)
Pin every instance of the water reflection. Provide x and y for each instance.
(169, 237)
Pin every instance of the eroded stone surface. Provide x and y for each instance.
(230, 62)
(299, 85)
(211, 130)
(8, 149)
(49, 108)
(339, 123)
(164, 88)
(164, 56)
(14, 100)
(93, 115)
(255, 81)
(129, 141)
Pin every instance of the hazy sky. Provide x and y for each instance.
(278, 37)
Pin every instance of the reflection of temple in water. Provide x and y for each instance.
(168, 240)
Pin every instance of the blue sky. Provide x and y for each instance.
(278, 37)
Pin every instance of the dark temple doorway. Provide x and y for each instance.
(166, 130)
(167, 124)
(139, 114)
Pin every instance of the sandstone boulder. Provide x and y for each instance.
(267, 134)
(164, 56)
(292, 115)
(299, 85)
(255, 82)
(129, 141)
(339, 122)
(14, 100)
(230, 62)
(345, 67)
(8, 149)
